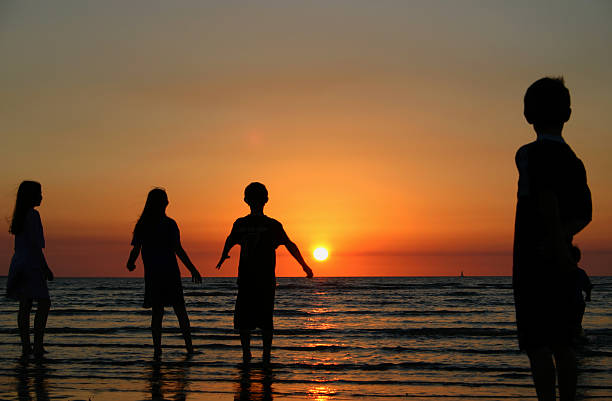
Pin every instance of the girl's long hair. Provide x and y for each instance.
(154, 210)
(27, 195)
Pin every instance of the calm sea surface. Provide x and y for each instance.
(336, 338)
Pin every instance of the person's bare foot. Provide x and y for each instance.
(39, 352)
(26, 351)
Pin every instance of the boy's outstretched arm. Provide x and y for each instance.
(131, 263)
(229, 243)
(295, 252)
(182, 255)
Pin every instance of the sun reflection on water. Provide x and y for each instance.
(320, 393)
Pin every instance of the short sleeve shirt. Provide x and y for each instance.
(547, 164)
(35, 228)
(31, 239)
(258, 237)
(158, 242)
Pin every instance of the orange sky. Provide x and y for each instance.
(384, 131)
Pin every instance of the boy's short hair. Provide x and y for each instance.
(255, 194)
(547, 101)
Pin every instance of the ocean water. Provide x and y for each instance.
(336, 338)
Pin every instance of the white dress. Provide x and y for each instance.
(26, 278)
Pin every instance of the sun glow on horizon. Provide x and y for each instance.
(320, 254)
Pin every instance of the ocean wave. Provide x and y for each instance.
(408, 332)
(400, 349)
(365, 288)
(95, 312)
(433, 332)
(368, 332)
(200, 304)
(463, 294)
(210, 293)
(233, 344)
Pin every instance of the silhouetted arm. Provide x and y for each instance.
(48, 272)
(295, 252)
(36, 237)
(556, 246)
(131, 263)
(182, 255)
(229, 243)
(584, 205)
(574, 226)
(46, 269)
(589, 288)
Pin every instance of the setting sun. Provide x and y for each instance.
(320, 254)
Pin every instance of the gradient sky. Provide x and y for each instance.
(384, 130)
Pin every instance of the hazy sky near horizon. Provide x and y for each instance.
(384, 130)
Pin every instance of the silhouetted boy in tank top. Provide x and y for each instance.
(258, 236)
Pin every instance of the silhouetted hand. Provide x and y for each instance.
(49, 275)
(308, 271)
(131, 266)
(196, 277)
(223, 257)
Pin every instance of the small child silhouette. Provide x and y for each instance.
(583, 285)
(258, 236)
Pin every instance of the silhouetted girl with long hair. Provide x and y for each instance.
(29, 272)
(158, 236)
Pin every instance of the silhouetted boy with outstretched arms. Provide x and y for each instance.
(554, 204)
(258, 236)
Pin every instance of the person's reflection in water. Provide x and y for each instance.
(169, 381)
(254, 384)
(32, 376)
(155, 380)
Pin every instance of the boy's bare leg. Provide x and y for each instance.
(183, 318)
(543, 372)
(40, 322)
(266, 337)
(245, 341)
(157, 316)
(23, 323)
(566, 372)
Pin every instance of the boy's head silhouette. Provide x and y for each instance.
(547, 103)
(256, 195)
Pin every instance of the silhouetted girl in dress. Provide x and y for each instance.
(157, 235)
(29, 272)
